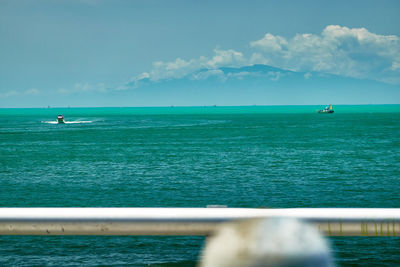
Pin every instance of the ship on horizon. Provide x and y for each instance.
(327, 109)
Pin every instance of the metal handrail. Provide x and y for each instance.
(188, 221)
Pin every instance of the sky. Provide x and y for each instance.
(134, 53)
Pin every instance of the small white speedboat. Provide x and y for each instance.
(60, 119)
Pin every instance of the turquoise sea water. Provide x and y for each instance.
(278, 156)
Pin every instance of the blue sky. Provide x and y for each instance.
(97, 53)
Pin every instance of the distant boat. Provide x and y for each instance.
(60, 119)
(327, 109)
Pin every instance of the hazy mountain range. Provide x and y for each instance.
(250, 85)
(261, 85)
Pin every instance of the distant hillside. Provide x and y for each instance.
(250, 85)
(261, 85)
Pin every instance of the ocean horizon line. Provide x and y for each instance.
(187, 110)
(199, 106)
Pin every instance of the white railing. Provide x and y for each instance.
(188, 221)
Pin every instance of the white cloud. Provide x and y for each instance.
(270, 43)
(89, 87)
(144, 75)
(257, 58)
(181, 68)
(242, 74)
(8, 94)
(83, 88)
(274, 75)
(62, 91)
(11, 93)
(202, 75)
(395, 66)
(224, 58)
(337, 50)
(307, 75)
(32, 91)
(175, 69)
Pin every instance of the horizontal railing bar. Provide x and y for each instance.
(188, 221)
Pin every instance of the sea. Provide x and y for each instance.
(252, 156)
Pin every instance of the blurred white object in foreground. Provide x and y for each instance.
(266, 242)
(188, 221)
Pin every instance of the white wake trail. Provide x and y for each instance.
(67, 122)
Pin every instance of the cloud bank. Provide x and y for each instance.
(29, 92)
(181, 68)
(338, 50)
